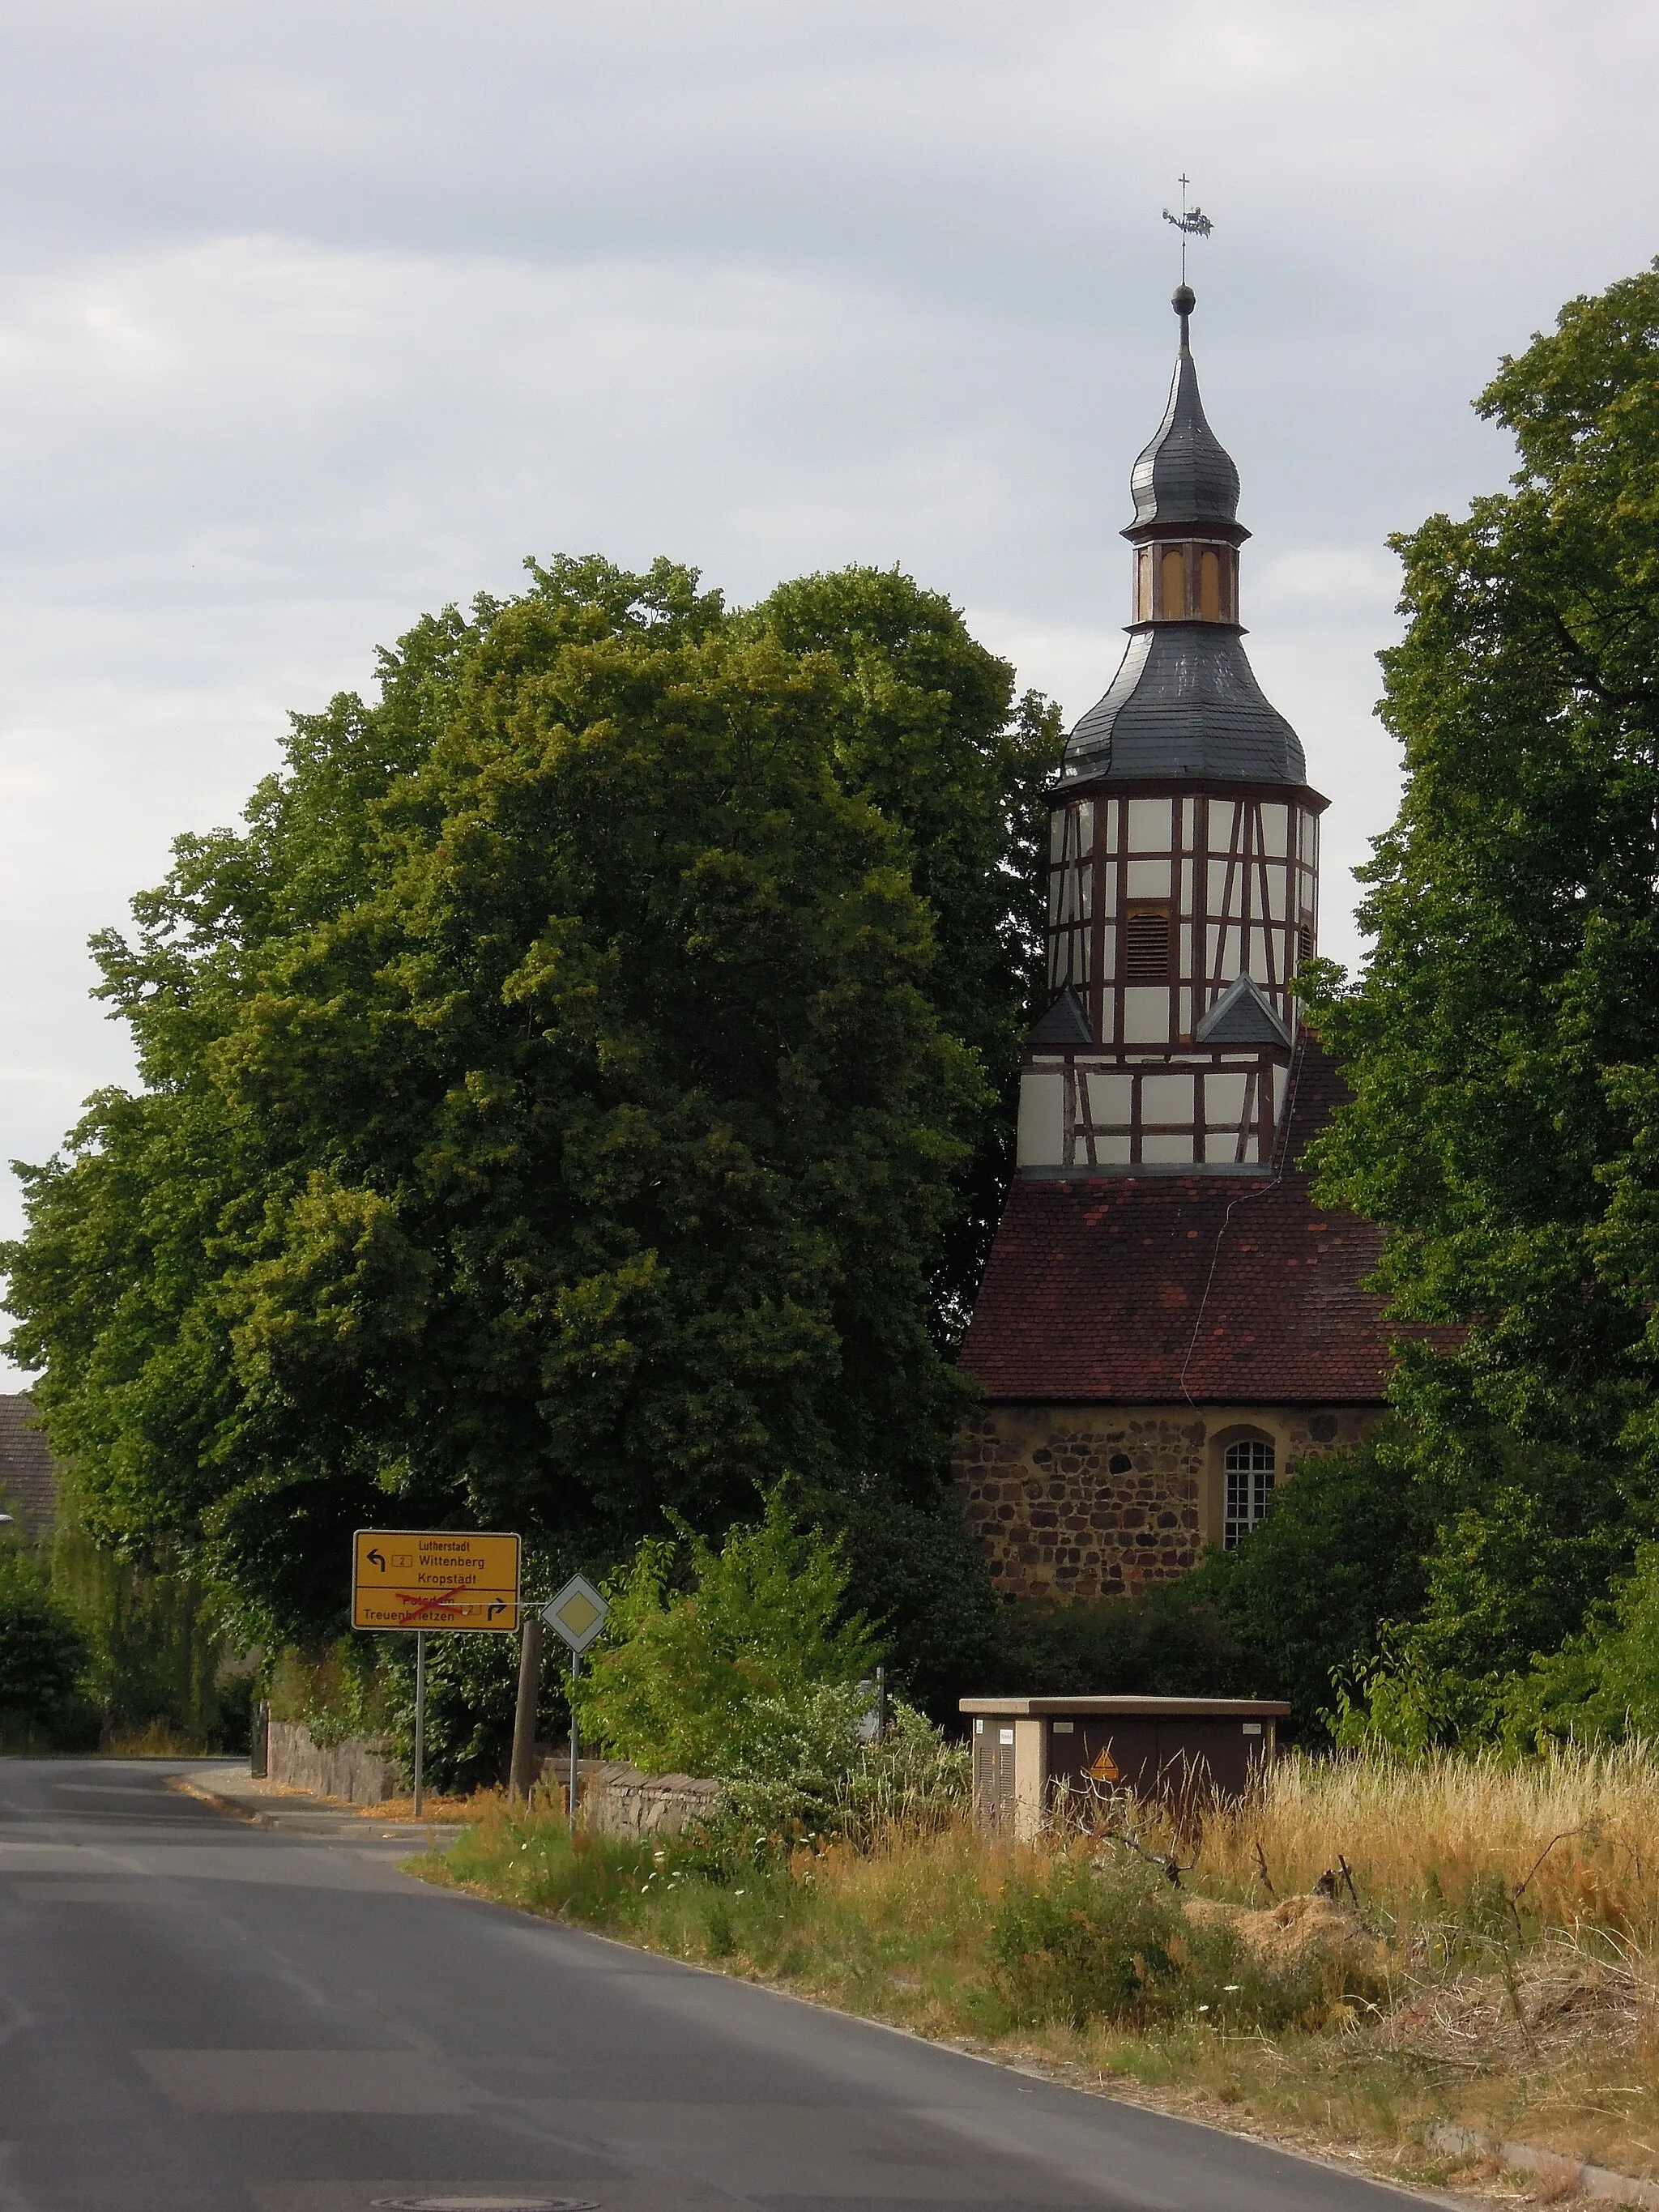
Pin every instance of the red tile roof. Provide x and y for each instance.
(1154, 1289)
(28, 1479)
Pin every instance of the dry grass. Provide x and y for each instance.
(156, 1740)
(1492, 1947)
(1573, 1839)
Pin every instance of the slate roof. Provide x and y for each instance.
(1103, 1292)
(1065, 1022)
(1186, 474)
(1185, 702)
(28, 1482)
(1242, 1015)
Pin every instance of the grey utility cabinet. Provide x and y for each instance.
(1026, 1749)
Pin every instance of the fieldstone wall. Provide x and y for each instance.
(1101, 1501)
(618, 1800)
(361, 1770)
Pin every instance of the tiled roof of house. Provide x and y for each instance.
(29, 1483)
(1152, 1290)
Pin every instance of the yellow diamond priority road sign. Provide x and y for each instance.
(433, 1578)
(577, 1614)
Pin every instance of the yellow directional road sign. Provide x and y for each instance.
(433, 1578)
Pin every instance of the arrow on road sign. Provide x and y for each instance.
(377, 1559)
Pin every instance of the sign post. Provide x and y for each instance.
(577, 1614)
(420, 1716)
(405, 1579)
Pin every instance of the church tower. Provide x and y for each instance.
(1168, 1322)
(1183, 857)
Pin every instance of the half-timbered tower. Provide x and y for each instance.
(1167, 1320)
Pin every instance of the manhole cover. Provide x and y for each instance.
(488, 2203)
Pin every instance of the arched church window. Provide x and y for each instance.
(1209, 587)
(1146, 944)
(1143, 584)
(1247, 1464)
(1174, 583)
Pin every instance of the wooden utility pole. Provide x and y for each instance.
(522, 1775)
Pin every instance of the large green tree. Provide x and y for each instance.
(562, 1096)
(1502, 1041)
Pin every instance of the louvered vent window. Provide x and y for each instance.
(1304, 941)
(1146, 944)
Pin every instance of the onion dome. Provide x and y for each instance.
(1186, 474)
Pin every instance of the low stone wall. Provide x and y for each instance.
(361, 1770)
(617, 1799)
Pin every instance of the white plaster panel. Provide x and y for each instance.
(1150, 823)
(1040, 1140)
(1311, 840)
(1108, 888)
(1146, 879)
(1275, 830)
(1277, 908)
(1189, 816)
(1223, 1096)
(1113, 1151)
(1217, 899)
(1166, 1098)
(1103, 1096)
(1145, 1016)
(1186, 886)
(1170, 1150)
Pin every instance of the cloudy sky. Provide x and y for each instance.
(315, 316)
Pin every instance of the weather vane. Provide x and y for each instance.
(1191, 223)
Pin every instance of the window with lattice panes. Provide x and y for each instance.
(1248, 1466)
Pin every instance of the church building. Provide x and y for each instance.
(1168, 1322)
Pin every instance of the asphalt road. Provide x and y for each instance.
(200, 2016)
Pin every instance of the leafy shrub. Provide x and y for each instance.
(1171, 1641)
(678, 1684)
(1341, 1553)
(918, 1573)
(44, 1663)
(1603, 1684)
(160, 1658)
(1073, 1942)
(472, 1689)
(338, 1692)
(364, 1686)
(810, 1769)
